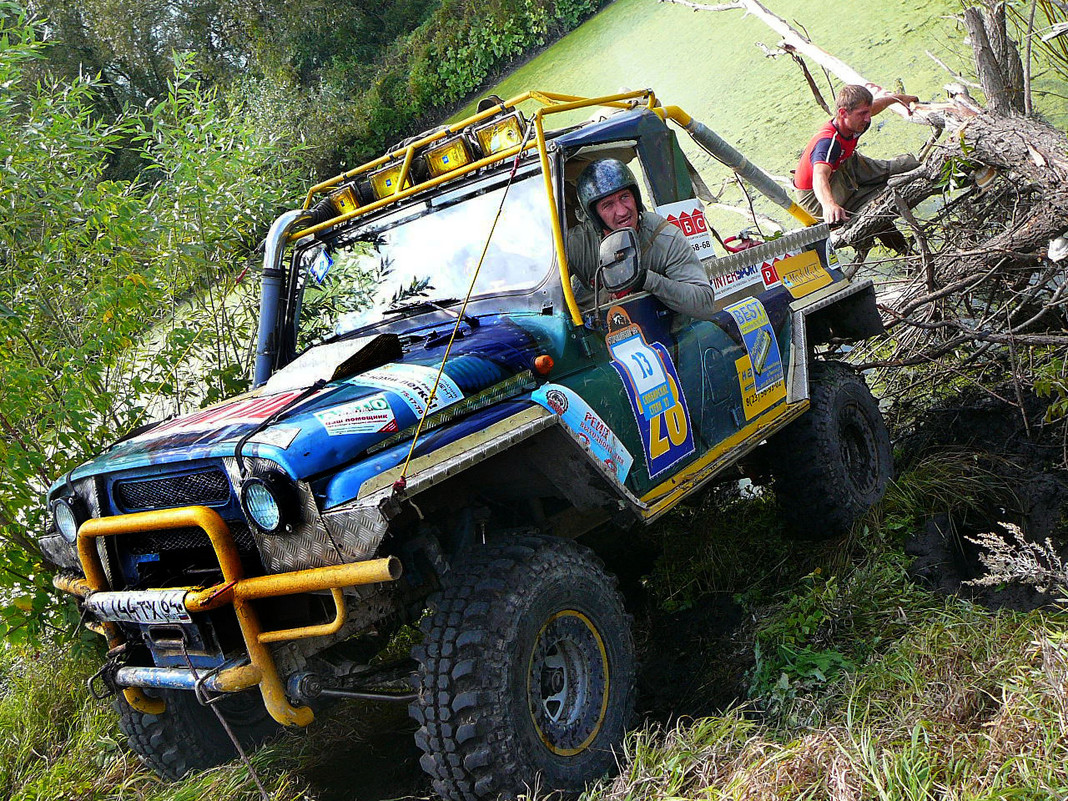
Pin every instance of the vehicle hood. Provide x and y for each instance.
(327, 408)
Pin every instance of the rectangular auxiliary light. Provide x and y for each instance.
(500, 134)
(344, 199)
(448, 156)
(384, 182)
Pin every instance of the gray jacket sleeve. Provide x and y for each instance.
(583, 256)
(675, 274)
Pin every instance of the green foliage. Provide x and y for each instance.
(60, 743)
(790, 652)
(355, 109)
(122, 300)
(345, 78)
(1051, 381)
(957, 172)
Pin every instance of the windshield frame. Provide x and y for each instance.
(546, 293)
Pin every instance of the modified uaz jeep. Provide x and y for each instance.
(437, 421)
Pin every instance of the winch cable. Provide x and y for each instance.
(402, 482)
(226, 727)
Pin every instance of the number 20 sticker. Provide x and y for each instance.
(655, 393)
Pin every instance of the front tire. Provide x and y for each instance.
(526, 674)
(188, 736)
(832, 464)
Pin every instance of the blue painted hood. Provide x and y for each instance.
(335, 423)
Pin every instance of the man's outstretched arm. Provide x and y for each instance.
(821, 186)
(884, 102)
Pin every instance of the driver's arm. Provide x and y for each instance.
(583, 257)
(676, 276)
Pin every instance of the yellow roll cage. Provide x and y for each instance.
(550, 103)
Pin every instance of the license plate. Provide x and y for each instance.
(140, 606)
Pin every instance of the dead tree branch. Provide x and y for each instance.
(980, 302)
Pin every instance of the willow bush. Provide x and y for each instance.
(109, 287)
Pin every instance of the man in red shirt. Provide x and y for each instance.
(832, 181)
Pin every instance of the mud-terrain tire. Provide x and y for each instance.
(188, 736)
(832, 464)
(526, 673)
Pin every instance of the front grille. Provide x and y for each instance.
(207, 488)
(185, 539)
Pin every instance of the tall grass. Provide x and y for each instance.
(57, 742)
(968, 705)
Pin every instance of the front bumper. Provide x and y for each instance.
(235, 589)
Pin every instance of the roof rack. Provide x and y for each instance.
(490, 136)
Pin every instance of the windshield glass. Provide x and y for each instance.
(424, 256)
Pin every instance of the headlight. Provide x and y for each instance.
(261, 504)
(66, 520)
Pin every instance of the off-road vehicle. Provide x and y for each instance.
(436, 423)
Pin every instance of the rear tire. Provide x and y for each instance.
(526, 674)
(832, 464)
(188, 736)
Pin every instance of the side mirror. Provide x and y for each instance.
(621, 268)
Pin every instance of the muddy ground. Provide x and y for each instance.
(1026, 455)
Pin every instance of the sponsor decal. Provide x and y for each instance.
(803, 274)
(832, 257)
(689, 217)
(412, 383)
(760, 372)
(764, 273)
(654, 390)
(737, 280)
(371, 415)
(279, 436)
(594, 432)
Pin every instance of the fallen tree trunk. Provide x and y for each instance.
(983, 298)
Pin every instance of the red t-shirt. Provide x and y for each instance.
(828, 146)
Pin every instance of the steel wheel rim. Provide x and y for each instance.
(567, 683)
(858, 450)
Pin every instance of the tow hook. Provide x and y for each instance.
(102, 684)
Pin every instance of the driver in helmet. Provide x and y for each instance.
(608, 197)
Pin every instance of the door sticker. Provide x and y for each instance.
(577, 415)
(760, 372)
(689, 217)
(654, 390)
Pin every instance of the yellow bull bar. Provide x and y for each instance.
(234, 589)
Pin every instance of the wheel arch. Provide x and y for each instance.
(849, 314)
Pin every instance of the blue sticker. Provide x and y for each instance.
(321, 266)
(645, 372)
(655, 392)
(760, 342)
(597, 435)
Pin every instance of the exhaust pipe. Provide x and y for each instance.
(271, 291)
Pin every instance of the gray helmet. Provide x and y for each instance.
(599, 180)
